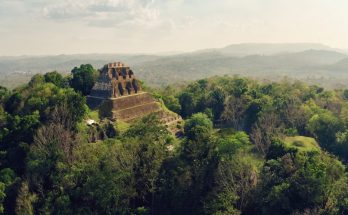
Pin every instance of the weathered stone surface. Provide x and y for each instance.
(115, 80)
(128, 108)
(118, 95)
(132, 100)
(136, 112)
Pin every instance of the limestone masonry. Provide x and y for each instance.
(118, 95)
(115, 80)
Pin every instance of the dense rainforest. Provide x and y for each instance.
(248, 147)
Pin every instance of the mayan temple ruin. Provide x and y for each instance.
(118, 96)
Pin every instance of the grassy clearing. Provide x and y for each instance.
(122, 126)
(302, 143)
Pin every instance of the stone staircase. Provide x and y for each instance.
(172, 121)
(136, 106)
(135, 112)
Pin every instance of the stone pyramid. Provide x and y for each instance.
(118, 96)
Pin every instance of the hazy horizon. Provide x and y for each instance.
(42, 27)
(175, 52)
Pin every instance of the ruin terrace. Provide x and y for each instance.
(117, 95)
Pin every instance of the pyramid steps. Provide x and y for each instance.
(130, 113)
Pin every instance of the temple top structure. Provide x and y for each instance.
(116, 96)
(115, 80)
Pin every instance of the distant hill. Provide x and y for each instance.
(313, 57)
(18, 70)
(63, 63)
(313, 63)
(341, 65)
(245, 49)
(304, 65)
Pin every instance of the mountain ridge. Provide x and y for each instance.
(300, 61)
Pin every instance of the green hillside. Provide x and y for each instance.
(302, 143)
(245, 147)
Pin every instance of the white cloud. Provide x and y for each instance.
(77, 26)
(104, 13)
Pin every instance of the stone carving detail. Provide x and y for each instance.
(115, 80)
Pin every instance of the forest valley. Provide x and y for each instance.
(248, 147)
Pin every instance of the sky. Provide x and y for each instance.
(51, 27)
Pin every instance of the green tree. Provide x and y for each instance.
(172, 103)
(36, 80)
(341, 146)
(55, 78)
(150, 143)
(240, 86)
(187, 103)
(217, 100)
(234, 113)
(235, 176)
(324, 127)
(14, 103)
(49, 159)
(198, 126)
(230, 145)
(83, 78)
(101, 180)
(299, 182)
(4, 93)
(25, 200)
(2, 197)
(198, 150)
(345, 94)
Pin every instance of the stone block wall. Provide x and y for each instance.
(117, 95)
(122, 79)
(134, 106)
(136, 112)
(132, 100)
(127, 108)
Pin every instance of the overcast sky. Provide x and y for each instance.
(137, 26)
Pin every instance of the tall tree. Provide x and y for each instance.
(83, 78)
(56, 79)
